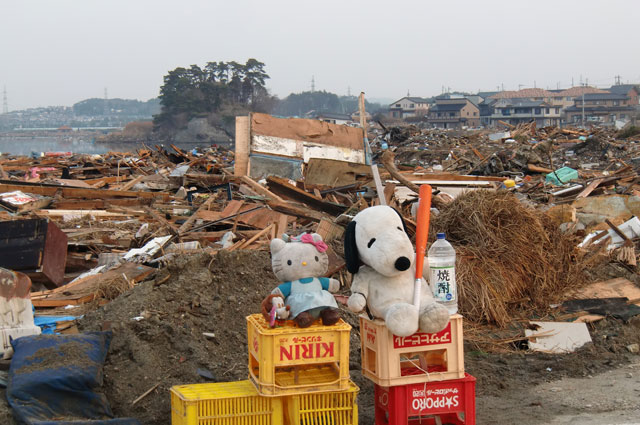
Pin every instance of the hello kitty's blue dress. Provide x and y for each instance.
(306, 294)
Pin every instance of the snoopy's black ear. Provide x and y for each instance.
(404, 226)
(351, 249)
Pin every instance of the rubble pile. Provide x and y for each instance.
(168, 248)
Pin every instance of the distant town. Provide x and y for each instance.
(615, 106)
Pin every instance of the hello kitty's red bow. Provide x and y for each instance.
(307, 238)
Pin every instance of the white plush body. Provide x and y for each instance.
(385, 282)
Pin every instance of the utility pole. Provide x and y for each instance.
(5, 104)
(617, 80)
(583, 90)
(313, 83)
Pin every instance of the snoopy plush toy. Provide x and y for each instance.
(380, 256)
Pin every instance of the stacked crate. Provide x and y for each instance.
(296, 375)
(419, 378)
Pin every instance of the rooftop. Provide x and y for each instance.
(448, 107)
(577, 91)
(623, 88)
(528, 93)
(604, 96)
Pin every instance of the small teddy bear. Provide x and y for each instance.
(304, 297)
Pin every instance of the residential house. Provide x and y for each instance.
(600, 108)
(355, 116)
(567, 97)
(632, 91)
(516, 111)
(454, 113)
(331, 117)
(551, 113)
(409, 107)
(486, 111)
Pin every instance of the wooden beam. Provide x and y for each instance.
(131, 183)
(170, 227)
(243, 143)
(536, 169)
(590, 188)
(187, 224)
(255, 237)
(97, 204)
(296, 210)
(79, 193)
(258, 188)
(449, 177)
(283, 187)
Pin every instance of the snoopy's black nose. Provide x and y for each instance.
(403, 263)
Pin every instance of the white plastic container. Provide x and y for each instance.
(442, 273)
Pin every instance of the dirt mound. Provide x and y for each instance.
(214, 294)
(158, 329)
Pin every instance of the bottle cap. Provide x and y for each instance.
(440, 235)
(509, 183)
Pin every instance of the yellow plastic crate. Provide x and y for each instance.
(334, 408)
(290, 360)
(223, 403)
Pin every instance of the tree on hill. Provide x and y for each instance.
(300, 104)
(215, 88)
(116, 107)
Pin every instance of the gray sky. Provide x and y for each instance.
(63, 51)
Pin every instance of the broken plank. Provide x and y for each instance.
(170, 226)
(98, 204)
(537, 169)
(72, 192)
(332, 172)
(299, 211)
(85, 289)
(257, 187)
(187, 224)
(618, 287)
(131, 183)
(590, 188)
(284, 188)
(255, 237)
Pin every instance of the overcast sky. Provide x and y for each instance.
(63, 51)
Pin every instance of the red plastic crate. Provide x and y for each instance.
(453, 401)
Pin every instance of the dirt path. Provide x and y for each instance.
(608, 398)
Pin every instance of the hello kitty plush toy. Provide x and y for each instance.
(303, 296)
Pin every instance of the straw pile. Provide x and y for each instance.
(510, 258)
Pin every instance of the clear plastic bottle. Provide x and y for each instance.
(442, 273)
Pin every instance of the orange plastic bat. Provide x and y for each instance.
(422, 232)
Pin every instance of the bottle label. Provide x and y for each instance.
(443, 283)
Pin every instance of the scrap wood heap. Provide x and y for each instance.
(175, 309)
(517, 151)
(110, 205)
